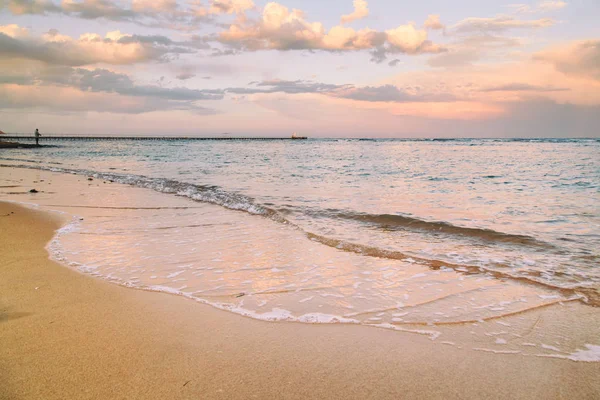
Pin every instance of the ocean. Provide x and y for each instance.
(422, 236)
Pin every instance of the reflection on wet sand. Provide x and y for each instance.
(255, 267)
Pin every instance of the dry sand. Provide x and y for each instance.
(65, 335)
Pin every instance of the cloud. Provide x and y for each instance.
(185, 76)
(551, 5)
(580, 58)
(499, 24)
(433, 22)
(154, 6)
(389, 94)
(522, 87)
(105, 81)
(506, 83)
(14, 31)
(478, 38)
(469, 49)
(540, 117)
(540, 7)
(280, 28)
(523, 98)
(102, 80)
(67, 100)
(284, 86)
(384, 93)
(455, 58)
(90, 48)
(155, 13)
(94, 9)
(20, 7)
(91, 86)
(408, 39)
(298, 106)
(530, 117)
(76, 82)
(361, 10)
(277, 27)
(230, 6)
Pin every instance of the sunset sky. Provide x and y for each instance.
(322, 68)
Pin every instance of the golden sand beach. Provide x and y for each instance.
(65, 335)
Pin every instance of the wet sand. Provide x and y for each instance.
(70, 336)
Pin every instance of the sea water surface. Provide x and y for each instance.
(404, 234)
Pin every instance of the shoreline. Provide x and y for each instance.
(69, 335)
(64, 186)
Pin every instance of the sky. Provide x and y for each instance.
(321, 68)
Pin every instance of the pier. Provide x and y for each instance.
(46, 138)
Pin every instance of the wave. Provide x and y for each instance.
(30, 161)
(204, 193)
(239, 202)
(400, 222)
(588, 295)
(236, 201)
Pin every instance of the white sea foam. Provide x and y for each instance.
(318, 318)
(590, 354)
(174, 274)
(548, 347)
(497, 351)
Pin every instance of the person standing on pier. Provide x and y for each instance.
(37, 137)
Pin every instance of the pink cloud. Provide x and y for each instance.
(361, 10)
(433, 22)
(580, 58)
(283, 29)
